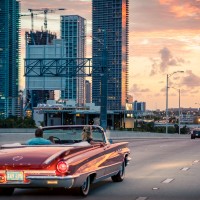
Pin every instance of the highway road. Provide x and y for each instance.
(160, 169)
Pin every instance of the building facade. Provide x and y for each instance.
(73, 32)
(9, 57)
(41, 88)
(139, 106)
(88, 92)
(110, 30)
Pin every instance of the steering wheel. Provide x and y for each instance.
(55, 139)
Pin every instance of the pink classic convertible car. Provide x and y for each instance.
(68, 163)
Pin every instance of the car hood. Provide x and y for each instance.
(30, 157)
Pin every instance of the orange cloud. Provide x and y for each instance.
(181, 8)
(191, 80)
(166, 1)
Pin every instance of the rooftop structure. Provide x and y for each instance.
(39, 38)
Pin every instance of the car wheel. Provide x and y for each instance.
(119, 177)
(6, 191)
(85, 188)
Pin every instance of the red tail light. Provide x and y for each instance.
(62, 167)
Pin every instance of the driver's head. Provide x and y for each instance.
(38, 132)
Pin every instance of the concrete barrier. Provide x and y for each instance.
(133, 134)
(17, 130)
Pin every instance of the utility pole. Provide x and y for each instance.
(179, 111)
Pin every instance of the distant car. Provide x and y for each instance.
(195, 133)
(68, 163)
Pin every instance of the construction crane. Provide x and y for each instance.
(45, 11)
(32, 18)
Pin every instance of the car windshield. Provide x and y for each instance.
(72, 134)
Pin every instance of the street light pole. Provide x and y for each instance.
(179, 112)
(167, 104)
(179, 109)
(167, 87)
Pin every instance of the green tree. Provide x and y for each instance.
(15, 122)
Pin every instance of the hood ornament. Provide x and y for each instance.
(17, 158)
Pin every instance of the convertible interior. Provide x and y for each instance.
(65, 135)
(71, 135)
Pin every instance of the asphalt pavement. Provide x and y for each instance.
(160, 169)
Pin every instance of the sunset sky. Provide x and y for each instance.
(164, 37)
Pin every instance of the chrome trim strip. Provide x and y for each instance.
(51, 158)
(51, 177)
(51, 172)
(39, 171)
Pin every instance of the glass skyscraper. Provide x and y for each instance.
(110, 29)
(9, 57)
(73, 32)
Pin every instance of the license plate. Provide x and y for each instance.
(15, 176)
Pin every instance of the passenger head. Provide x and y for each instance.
(38, 132)
(87, 133)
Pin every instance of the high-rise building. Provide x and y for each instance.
(110, 30)
(9, 57)
(73, 32)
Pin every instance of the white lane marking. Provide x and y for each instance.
(168, 180)
(155, 188)
(164, 145)
(196, 161)
(141, 198)
(185, 168)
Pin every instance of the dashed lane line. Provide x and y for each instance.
(155, 188)
(142, 198)
(185, 169)
(168, 180)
